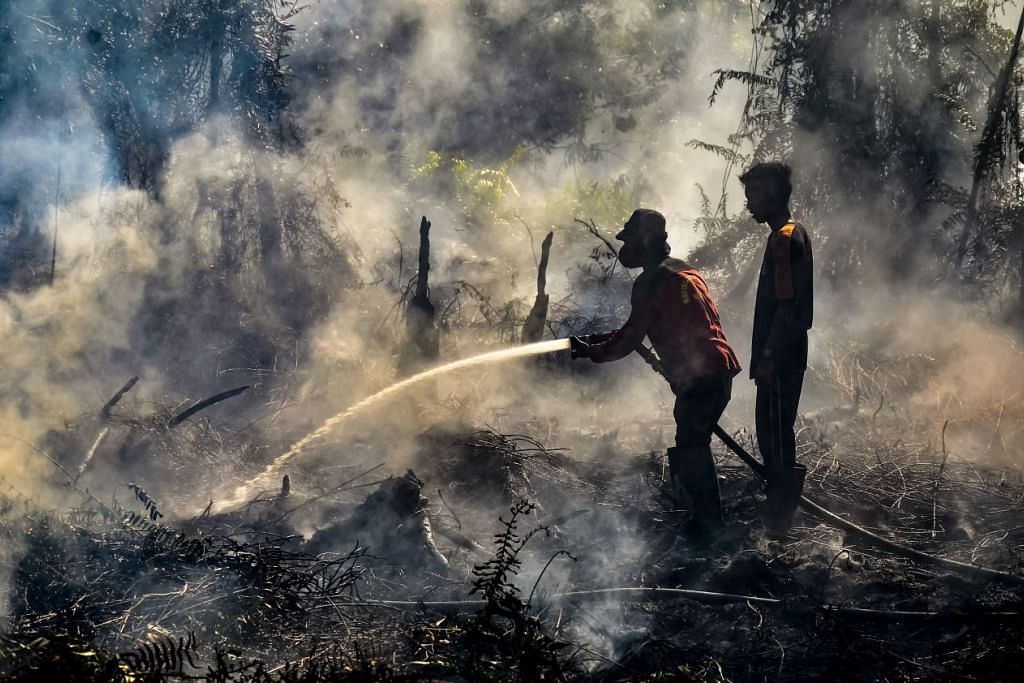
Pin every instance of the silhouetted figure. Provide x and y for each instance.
(783, 313)
(671, 306)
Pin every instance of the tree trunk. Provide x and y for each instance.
(422, 343)
(269, 227)
(217, 26)
(533, 330)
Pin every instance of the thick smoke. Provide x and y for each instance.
(286, 266)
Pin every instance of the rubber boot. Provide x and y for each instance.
(784, 494)
(695, 479)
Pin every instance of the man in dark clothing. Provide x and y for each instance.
(671, 306)
(783, 313)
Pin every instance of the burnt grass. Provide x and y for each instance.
(431, 573)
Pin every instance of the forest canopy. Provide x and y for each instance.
(901, 118)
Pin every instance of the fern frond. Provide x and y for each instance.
(747, 78)
(719, 150)
(147, 502)
(163, 655)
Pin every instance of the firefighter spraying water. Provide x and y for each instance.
(671, 305)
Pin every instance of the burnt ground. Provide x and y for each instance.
(431, 573)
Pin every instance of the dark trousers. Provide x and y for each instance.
(698, 407)
(691, 464)
(775, 415)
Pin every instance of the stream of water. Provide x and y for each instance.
(267, 478)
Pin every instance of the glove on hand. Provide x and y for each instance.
(579, 346)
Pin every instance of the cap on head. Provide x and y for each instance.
(647, 224)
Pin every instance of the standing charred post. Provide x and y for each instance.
(421, 337)
(533, 330)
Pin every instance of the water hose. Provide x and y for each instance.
(715, 598)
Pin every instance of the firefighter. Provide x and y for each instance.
(671, 306)
(783, 312)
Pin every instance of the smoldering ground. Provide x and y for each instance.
(473, 116)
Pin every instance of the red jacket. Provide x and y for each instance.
(671, 306)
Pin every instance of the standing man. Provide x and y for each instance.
(783, 313)
(671, 306)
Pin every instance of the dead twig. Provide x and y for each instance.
(206, 403)
(109, 405)
(938, 477)
(593, 230)
(100, 438)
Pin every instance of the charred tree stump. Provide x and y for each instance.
(421, 345)
(281, 502)
(392, 522)
(533, 330)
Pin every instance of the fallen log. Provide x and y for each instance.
(460, 539)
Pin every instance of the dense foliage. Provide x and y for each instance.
(889, 112)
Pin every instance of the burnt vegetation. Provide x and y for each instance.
(502, 537)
